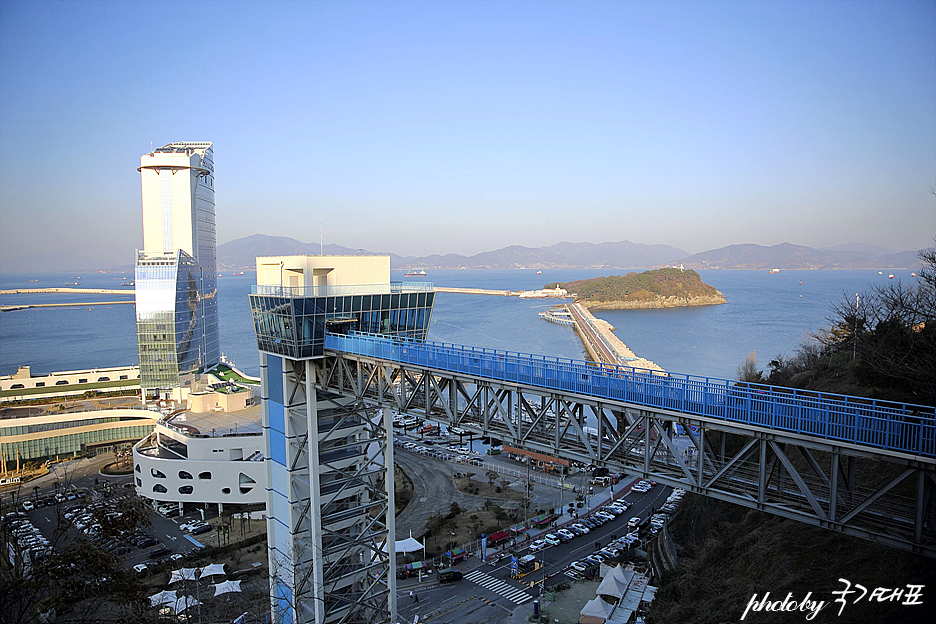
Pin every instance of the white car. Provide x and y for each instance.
(569, 535)
(581, 527)
(552, 539)
(607, 517)
(537, 545)
(633, 522)
(140, 567)
(28, 505)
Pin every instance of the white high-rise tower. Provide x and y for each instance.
(176, 272)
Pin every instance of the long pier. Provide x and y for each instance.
(67, 291)
(26, 306)
(476, 291)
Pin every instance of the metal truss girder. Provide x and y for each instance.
(761, 474)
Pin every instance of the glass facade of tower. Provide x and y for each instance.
(174, 336)
(293, 321)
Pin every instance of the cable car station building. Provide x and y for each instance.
(330, 530)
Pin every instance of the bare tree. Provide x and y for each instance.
(748, 371)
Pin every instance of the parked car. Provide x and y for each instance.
(607, 517)
(537, 545)
(565, 535)
(578, 528)
(28, 505)
(552, 539)
(634, 522)
(141, 567)
(202, 528)
(156, 553)
(449, 576)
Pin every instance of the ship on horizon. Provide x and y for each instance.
(419, 273)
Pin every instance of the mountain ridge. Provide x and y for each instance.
(240, 254)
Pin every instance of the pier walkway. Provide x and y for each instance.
(67, 291)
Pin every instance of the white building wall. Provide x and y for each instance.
(215, 477)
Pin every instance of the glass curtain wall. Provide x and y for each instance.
(296, 326)
(172, 325)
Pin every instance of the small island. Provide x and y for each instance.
(660, 288)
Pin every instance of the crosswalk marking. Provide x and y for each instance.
(498, 586)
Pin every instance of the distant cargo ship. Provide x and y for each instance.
(238, 273)
(774, 270)
(419, 273)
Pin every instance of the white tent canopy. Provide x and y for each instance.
(212, 570)
(185, 574)
(615, 583)
(597, 608)
(226, 586)
(410, 544)
(183, 603)
(163, 597)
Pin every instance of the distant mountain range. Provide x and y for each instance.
(787, 256)
(240, 254)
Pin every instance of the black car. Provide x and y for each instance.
(202, 528)
(156, 553)
(146, 542)
(448, 576)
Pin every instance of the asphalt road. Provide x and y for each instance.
(488, 595)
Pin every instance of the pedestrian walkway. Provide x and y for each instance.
(498, 587)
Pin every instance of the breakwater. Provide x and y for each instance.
(67, 291)
(602, 345)
(26, 306)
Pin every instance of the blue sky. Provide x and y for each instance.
(436, 127)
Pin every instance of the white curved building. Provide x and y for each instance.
(203, 457)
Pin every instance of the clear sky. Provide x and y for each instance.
(465, 126)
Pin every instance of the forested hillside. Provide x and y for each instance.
(679, 287)
(883, 347)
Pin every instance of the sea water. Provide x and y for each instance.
(769, 314)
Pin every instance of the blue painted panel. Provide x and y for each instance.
(275, 378)
(277, 414)
(277, 446)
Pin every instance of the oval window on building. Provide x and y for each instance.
(185, 475)
(204, 476)
(160, 488)
(17, 386)
(157, 473)
(225, 490)
(185, 489)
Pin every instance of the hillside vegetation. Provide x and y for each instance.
(884, 348)
(657, 288)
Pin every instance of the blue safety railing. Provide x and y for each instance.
(880, 424)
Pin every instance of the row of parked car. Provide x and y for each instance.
(451, 453)
(29, 540)
(50, 501)
(603, 515)
(659, 519)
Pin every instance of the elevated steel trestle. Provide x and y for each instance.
(852, 465)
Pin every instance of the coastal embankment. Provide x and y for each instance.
(67, 291)
(26, 306)
(602, 345)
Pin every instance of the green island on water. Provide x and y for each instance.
(659, 288)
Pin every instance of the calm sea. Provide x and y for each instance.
(768, 314)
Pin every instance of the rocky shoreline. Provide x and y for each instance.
(655, 302)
